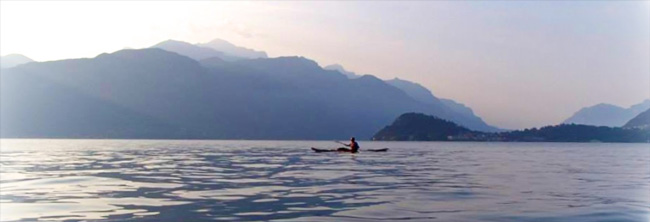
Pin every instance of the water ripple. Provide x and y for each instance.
(122, 180)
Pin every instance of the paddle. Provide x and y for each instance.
(340, 143)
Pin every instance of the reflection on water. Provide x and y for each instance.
(122, 180)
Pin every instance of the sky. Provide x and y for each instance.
(517, 64)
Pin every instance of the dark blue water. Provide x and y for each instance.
(164, 180)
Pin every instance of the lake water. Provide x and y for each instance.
(167, 180)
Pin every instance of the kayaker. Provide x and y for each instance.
(354, 147)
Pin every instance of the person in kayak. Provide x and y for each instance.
(354, 147)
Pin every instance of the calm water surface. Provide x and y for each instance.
(163, 180)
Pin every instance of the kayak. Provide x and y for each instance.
(336, 150)
(378, 150)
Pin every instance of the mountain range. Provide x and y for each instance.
(448, 109)
(462, 114)
(421, 127)
(182, 90)
(607, 115)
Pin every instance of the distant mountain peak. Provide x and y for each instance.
(371, 78)
(15, 55)
(234, 50)
(640, 107)
(605, 105)
(195, 52)
(604, 114)
(145, 57)
(174, 41)
(12, 60)
(640, 121)
(169, 42)
(220, 41)
(339, 68)
(157, 54)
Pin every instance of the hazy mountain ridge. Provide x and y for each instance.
(12, 60)
(641, 107)
(607, 115)
(462, 115)
(449, 109)
(216, 48)
(339, 68)
(458, 107)
(414, 90)
(193, 51)
(421, 127)
(83, 98)
(231, 49)
(168, 95)
(640, 121)
(199, 92)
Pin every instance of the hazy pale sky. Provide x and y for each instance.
(517, 64)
